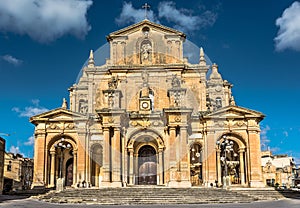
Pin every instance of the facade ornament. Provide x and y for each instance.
(111, 101)
(91, 62)
(145, 123)
(175, 82)
(83, 107)
(232, 102)
(113, 83)
(202, 61)
(64, 104)
(177, 119)
(146, 50)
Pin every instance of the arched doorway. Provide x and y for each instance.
(231, 161)
(69, 172)
(196, 164)
(147, 166)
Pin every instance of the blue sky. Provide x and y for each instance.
(43, 45)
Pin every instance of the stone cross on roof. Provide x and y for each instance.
(146, 7)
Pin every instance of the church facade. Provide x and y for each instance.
(148, 116)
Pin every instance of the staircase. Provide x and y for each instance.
(268, 193)
(159, 195)
(130, 196)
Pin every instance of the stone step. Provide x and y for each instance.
(131, 196)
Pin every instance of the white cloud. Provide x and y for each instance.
(12, 60)
(14, 150)
(264, 141)
(30, 110)
(45, 20)
(132, 15)
(30, 141)
(184, 19)
(288, 36)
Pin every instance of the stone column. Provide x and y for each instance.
(135, 168)
(255, 159)
(161, 166)
(219, 168)
(116, 156)
(183, 150)
(39, 158)
(172, 149)
(74, 168)
(131, 173)
(242, 166)
(52, 173)
(106, 157)
(211, 158)
(97, 171)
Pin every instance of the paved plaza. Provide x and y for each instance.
(28, 203)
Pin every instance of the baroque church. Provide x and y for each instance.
(148, 116)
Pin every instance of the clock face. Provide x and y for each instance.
(145, 105)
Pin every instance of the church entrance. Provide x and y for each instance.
(69, 172)
(147, 166)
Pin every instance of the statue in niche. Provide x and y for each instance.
(111, 100)
(83, 107)
(113, 83)
(146, 50)
(175, 82)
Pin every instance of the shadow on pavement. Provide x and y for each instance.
(291, 194)
(12, 197)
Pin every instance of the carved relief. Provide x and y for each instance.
(143, 123)
(176, 83)
(53, 126)
(177, 119)
(110, 120)
(70, 126)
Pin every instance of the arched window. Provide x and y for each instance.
(218, 102)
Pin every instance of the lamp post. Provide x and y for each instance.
(226, 146)
(62, 146)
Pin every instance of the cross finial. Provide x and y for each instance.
(146, 7)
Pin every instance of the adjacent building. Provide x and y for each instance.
(278, 170)
(148, 114)
(18, 172)
(2, 151)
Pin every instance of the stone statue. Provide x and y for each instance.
(145, 52)
(113, 83)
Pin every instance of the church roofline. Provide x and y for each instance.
(144, 22)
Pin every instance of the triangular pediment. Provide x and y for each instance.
(235, 112)
(59, 114)
(135, 27)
